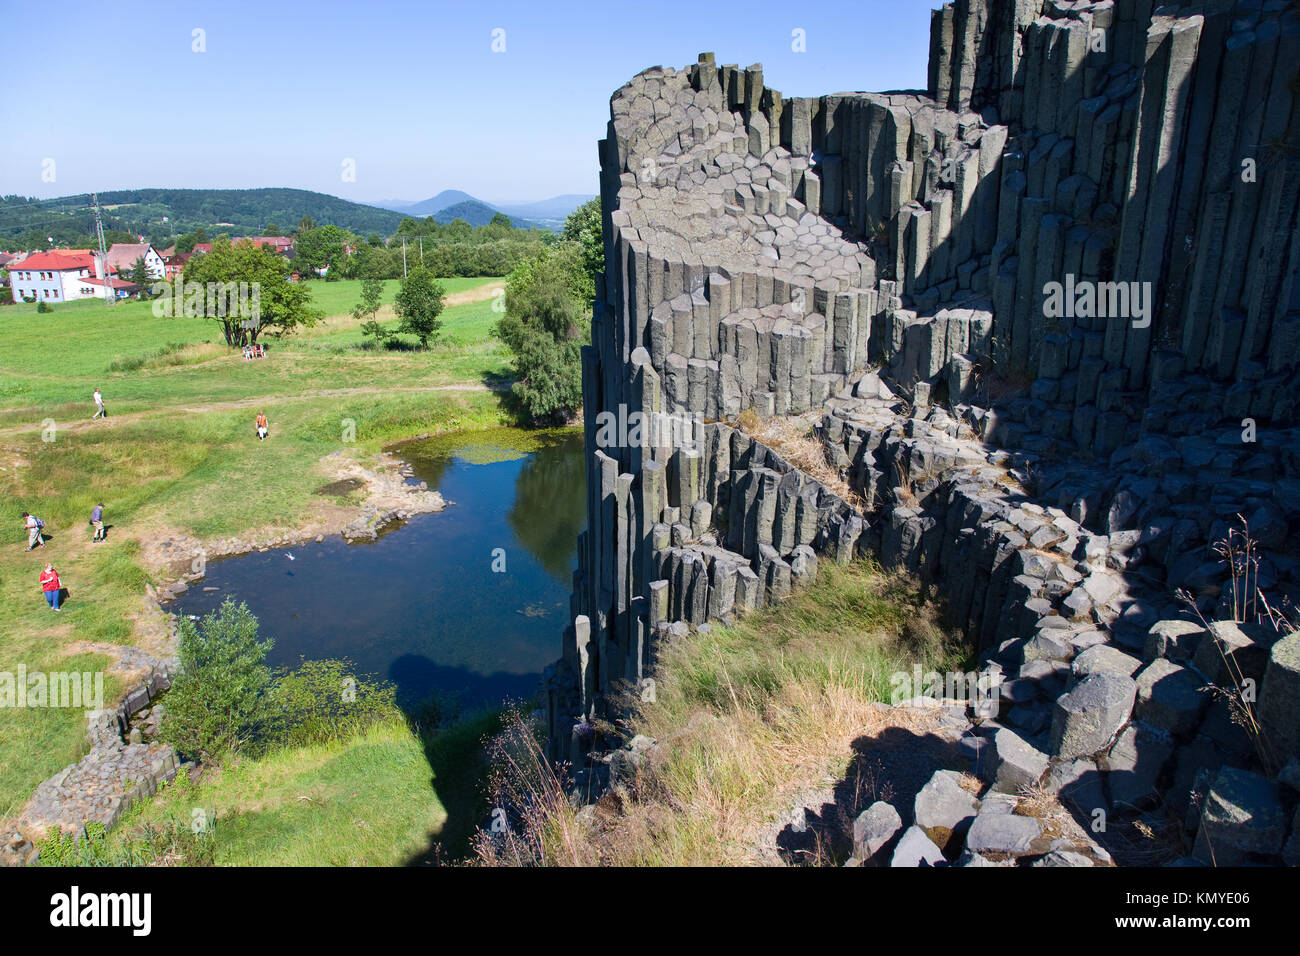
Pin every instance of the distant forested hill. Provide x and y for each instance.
(27, 223)
(476, 214)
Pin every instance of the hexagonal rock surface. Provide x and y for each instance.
(1175, 640)
(1087, 717)
(944, 807)
(1170, 697)
(1242, 816)
(1016, 763)
(1105, 657)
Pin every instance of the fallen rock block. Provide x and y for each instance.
(916, 849)
(1242, 817)
(944, 808)
(1086, 718)
(874, 828)
(1170, 697)
(1016, 763)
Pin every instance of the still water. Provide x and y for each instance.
(422, 606)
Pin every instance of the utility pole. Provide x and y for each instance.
(103, 253)
(403, 257)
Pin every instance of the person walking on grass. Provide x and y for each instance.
(263, 426)
(34, 526)
(51, 586)
(99, 406)
(97, 522)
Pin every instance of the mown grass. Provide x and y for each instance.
(747, 718)
(177, 452)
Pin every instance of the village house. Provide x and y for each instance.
(123, 255)
(59, 275)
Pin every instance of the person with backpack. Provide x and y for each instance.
(99, 405)
(97, 522)
(51, 586)
(34, 526)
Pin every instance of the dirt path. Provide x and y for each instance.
(14, 431)
(480, 294)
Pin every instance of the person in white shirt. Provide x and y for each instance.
(99, 406)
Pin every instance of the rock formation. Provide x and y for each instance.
(1045, 317)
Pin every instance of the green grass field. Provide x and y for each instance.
(175, 454)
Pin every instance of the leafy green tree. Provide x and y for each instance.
(419, 303)
(372, 293)
(499, 219)
(281, 306)
(223, 698)
(322, 247)
(272, 229)
(139, 274)
(305, 223)
(547, 298)
(583, 227)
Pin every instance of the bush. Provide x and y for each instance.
(223, 700)
(321, 701)
(544, 326)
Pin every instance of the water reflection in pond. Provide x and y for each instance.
(422, 606)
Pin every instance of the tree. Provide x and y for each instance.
(419, 303)
(276, 303)
(321, 247)
(372, 292)
(583, 227)
(272, 229)
(500, 219)
(139, 274)
(547, 298)
(223, 697)
(305, 223)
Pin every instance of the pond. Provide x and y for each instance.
(468, 603)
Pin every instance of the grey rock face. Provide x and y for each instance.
(916, 849)
(1005, 834)
(1017, 764)
(1242, 817)
(1088, 717)
(943, 807)
(874, 828)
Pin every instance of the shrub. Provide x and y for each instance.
(223, 699)
(322, 701)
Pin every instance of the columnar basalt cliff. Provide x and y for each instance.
(1045, 318)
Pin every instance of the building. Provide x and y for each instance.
(175, 264)
(59, 275)
(123, 255)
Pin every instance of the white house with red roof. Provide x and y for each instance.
(122, 257)
(59, 275)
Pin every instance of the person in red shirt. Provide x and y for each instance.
(51, 586)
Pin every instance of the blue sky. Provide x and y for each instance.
(411, 92)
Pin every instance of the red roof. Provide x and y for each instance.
(114, 281)
(58, 260)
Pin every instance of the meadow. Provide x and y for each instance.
(177, 455)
